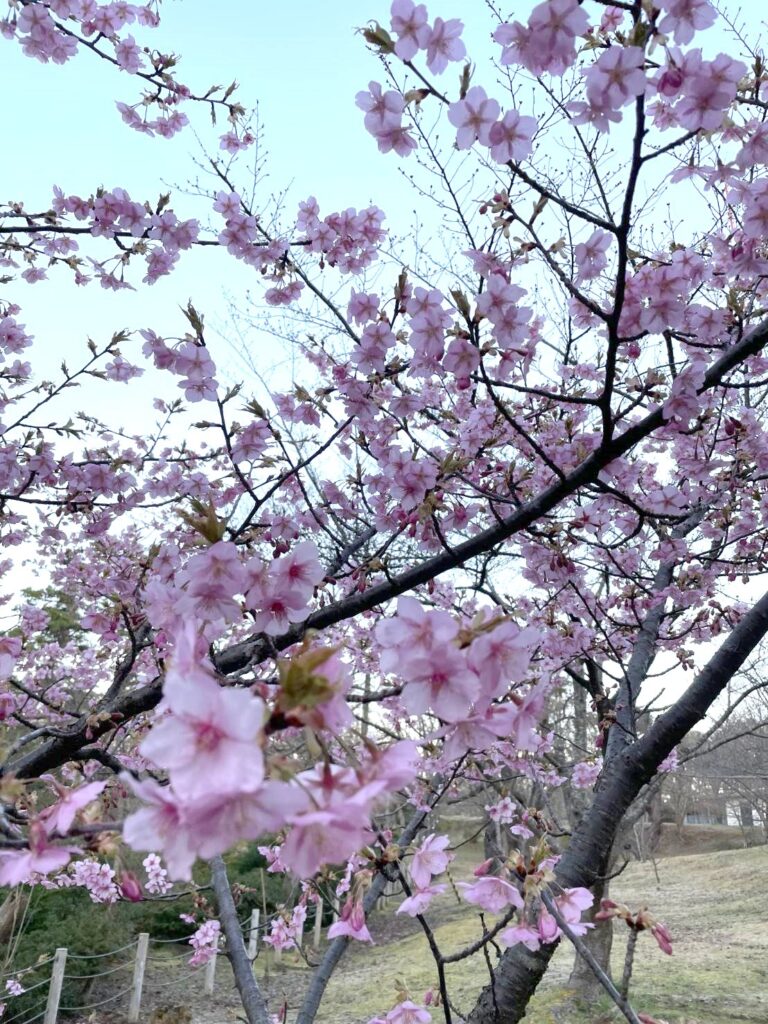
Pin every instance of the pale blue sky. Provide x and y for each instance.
(303, 63)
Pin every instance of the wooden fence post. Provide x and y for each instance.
(253, 935)
(210, 974)
(318, 922)
(54, 989)
(139, 966)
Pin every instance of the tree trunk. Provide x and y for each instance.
(745, 814)
(250, 993)
(599, 942)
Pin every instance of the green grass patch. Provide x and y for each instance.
(715, 904)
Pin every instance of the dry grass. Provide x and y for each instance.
(715, 904)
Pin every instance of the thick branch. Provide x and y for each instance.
(59, 750)
(250, 993)
(240, 656)
(644, 650)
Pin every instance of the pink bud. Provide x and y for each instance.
(484, 868)
(664, 939)
(670, 82)
(130, 887)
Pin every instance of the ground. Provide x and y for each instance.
(715, 905)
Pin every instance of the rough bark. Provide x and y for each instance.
(250, 993)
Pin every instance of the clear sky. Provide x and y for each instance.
(299, 59)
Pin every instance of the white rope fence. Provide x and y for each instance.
(49, 1008)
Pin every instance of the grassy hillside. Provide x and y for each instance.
(715, 904)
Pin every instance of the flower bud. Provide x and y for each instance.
(130, 887)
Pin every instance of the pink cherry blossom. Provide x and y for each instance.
(670, 763)
(525, 933)
(444, 44)
(584, 775)
(473, 117)
(351, 923)
(210, 743)
(590, 256)
(413, 629)
(501, 656)
(511, 137)
(408, 1012)
(409, 23)
(430, 858)
(420, 899)
(383, 109)
(10, 646)
(547, 43)
(686, 17)
(16, 866)
(616, 78)
(58, 818)
(441, 680)
(492, 894)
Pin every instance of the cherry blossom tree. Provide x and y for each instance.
(534, 461)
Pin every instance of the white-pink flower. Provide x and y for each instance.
(351, 923)
(40, 857)
(686, 17)
(59, 816)
(511, 138)
(473, 117)
(408, 1012)
(617, 77)
(584, 775)
(210, 743)
(492, 894)
(431, 858)
(444, 44)
(419, 900)
(409, 23)
(501, 656)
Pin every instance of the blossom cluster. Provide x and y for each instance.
(286, 929)
(205, 942)
(210, 742)
(459, 682)
(157, 877)
(45, 38)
